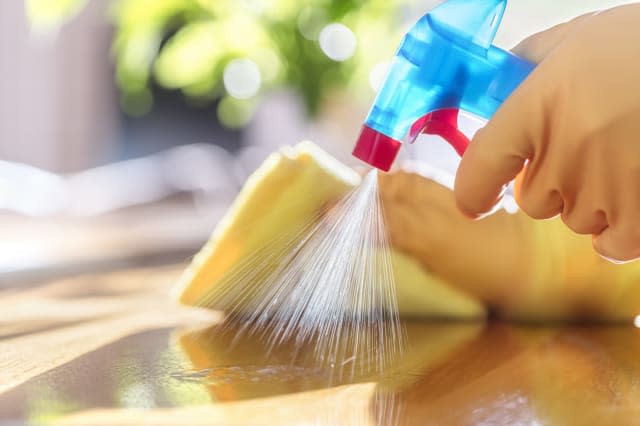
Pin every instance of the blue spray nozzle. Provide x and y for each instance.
(444, 64)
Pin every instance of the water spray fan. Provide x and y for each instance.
(445, 63)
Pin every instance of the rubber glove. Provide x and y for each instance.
(518, 267)
(570, 133)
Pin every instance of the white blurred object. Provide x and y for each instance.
(242, 78)
(338, 42)
(30, 191)
(206, 171)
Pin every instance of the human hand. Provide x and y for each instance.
(570, 134)
(518, 267)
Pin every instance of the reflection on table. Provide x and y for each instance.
(108, 348)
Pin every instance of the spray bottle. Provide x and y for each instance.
(445, 63)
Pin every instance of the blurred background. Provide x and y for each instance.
(127, 126)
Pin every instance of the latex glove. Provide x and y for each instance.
(518, 267)
(571, 134)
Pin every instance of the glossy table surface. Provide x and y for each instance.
(112, 349)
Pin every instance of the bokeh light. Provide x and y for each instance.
(338, 42)
(242, 78)
(310, 48)
(311, 20)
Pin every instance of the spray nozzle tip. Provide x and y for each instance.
(376, 149)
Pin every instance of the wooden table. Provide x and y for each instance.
(112, 349)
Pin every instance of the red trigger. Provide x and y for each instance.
(444, 123)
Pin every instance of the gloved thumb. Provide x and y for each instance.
(498, 152)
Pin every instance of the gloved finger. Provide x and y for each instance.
(498, 151)
(537, 200)
(620, 241)
(618, 244)
(583, 220)
(537, 46)
(583, 211)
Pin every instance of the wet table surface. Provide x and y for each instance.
(113, 349)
